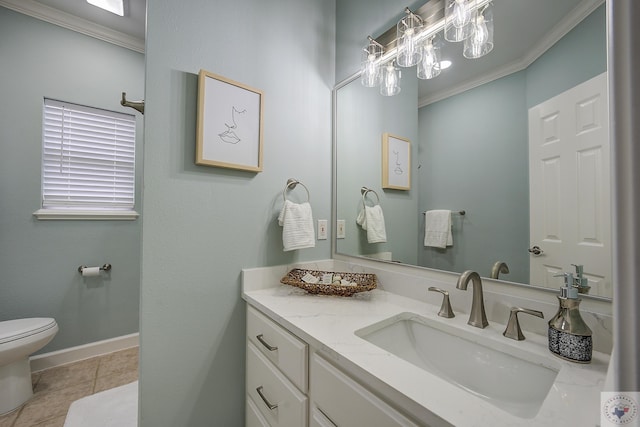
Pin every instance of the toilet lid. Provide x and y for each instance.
(11, 330)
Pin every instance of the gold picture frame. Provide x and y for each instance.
(229, 124)
(396, 162)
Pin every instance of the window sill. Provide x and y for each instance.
(53, 214)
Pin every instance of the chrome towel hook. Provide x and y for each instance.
(137, 105)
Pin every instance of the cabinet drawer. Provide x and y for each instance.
(278, 345)
(253, 416)
(318, 419)
(346, 402)
(267, 386)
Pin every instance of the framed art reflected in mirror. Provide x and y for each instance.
(396, 162)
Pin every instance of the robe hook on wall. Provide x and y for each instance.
(138, 105)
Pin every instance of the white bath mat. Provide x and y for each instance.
(117, 407)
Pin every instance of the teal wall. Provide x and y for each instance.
(203, 225)
(473, 155)
(359, 160)
(475, 146)
(363, 116)
(39, 259)
(578, 56)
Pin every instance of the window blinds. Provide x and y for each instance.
(88, 159)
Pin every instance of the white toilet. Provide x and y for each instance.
(18, 339)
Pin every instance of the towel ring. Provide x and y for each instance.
(364, 191)
(292, 183)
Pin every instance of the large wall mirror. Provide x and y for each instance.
(470, 130)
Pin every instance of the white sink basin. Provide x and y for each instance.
(513, 380)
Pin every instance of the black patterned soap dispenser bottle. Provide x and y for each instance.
(569, 337)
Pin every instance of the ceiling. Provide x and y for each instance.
(523, 30)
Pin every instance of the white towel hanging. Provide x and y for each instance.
(374, 224)
(296, 220)
(297, 226)
(437, 228)
(371, 219)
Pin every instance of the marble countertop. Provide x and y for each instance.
(328, 324)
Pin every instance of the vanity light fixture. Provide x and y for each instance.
(390, 80)
(481, 40)
(113, 6)
(409, 50)
(458, 17)
(417, 41)
(370, 74)
(430, 66)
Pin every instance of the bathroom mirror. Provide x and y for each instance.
(469, 134)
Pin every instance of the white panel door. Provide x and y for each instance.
(569, 186)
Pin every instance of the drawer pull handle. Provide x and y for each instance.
(264, 399)
(266, 344)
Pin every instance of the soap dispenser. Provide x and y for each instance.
(581, 282)
(569, 337)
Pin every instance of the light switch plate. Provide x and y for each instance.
(341, 232)
(322, 229)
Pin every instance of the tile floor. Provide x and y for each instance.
(56, 388)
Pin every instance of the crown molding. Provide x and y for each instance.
(577, 15)
(74, 23)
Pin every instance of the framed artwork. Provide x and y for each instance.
(396, 162)
(229, 131)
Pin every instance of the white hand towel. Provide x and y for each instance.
(437, 229)
(297, 226)
(371, 219)
(361, 219)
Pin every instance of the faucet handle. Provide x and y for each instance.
(445, 309)
(513, 330)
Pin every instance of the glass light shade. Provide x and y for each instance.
(429, 67)
(370, 73)
(409, 52)
(390, 80)
(458, 17)
(481, 41)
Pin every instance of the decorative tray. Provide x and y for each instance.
(357, 282)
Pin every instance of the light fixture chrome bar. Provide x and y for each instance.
(432, 14)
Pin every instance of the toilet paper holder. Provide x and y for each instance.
(105, 267)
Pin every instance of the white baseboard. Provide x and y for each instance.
(81, 352)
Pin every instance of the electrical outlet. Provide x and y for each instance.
(322, 229)
(341, 232)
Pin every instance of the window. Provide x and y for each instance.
(88, 163)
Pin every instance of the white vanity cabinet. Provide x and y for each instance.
(343, 402)
(276, 375)
(318, 419)
(289, 384)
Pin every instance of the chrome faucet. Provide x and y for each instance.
(477, 317)
(513, 329)
(499, 267)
